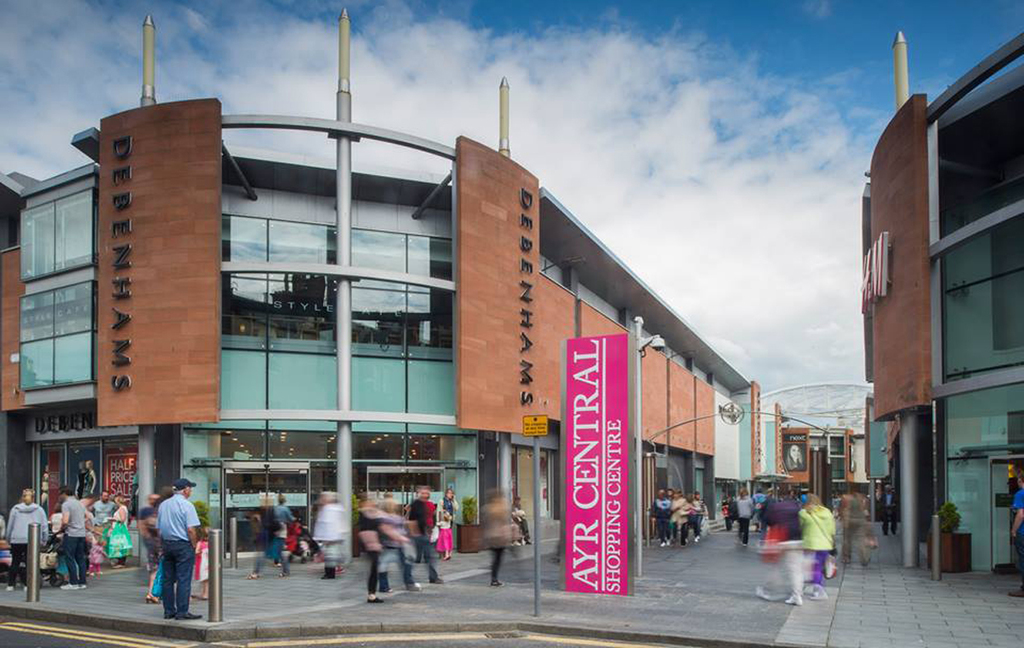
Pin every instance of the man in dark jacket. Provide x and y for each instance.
(421, 523)
(890, 512)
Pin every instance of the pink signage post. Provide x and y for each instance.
(596, 442)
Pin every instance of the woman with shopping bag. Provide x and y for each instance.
(118, 540)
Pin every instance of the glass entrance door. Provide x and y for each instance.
(1003, 475)
(247, 487)
(400, 482)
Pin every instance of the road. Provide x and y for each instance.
(17, 633)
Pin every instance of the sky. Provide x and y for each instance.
(718, 148)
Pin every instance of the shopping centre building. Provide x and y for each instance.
(267, 323)
(943, 284)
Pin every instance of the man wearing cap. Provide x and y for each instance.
(177, 522)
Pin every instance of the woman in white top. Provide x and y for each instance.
(444, 518)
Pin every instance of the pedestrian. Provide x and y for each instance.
(283, 519)
(421, 524)
(1017, 531)
(890, 512)
(202, 568)
(445, 518)
(497, 531)
(97, 553)
(370, 541)
(178, 523)
(117, 540)
(519, 518)
(150, 537)
(103, 509)
(726, 513)
(23, 514)
(818, 530)
(853, 512)
(74, 522)
(698, 512)
(394, 538)
(681, 509)
(329, 532)
(744, 511)
(661, 513)
(759, 500)
(784, 546)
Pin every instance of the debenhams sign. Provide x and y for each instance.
(59, 426)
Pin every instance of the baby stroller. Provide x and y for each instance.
(51, 566)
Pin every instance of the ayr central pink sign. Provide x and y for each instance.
(596, 464)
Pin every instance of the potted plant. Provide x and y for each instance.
(470, 535)
(955, 547)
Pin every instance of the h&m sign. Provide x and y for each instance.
(875, 284)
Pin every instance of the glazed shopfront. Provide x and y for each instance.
(68, 448)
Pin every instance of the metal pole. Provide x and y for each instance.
(343, 179)
(909, 430)
(638, 327)
(233, 530)
(936, 549)
(32, 564)
(537, 535)
(216, 553)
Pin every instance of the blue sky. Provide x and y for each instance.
(717, 147)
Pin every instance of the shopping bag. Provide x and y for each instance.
(770, 550)
(158, 580)
(830, 567)
(435, 533)
(119, 545)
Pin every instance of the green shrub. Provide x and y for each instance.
(203, 511)
(355, 511)
(469, 510)
(949, 518)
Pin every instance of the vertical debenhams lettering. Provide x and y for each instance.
(120, 231)
(526, 321)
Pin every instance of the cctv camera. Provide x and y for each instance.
(658, 342)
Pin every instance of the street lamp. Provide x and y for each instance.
(641, 343)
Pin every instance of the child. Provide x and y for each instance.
(96, 555)
(202, 573)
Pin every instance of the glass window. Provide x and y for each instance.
(286, 444)
(379, 250)
(58, 235)
(37, 364)
(37, 241)
(429, 325)
(303, 381)
(244, 311)
(836, 444)
(442, 447)
(302, 313)
(981, 419)
(431, 387)
(74, 231)
(57, 336)
(243, 379)
(37, 316)
(982, 309)
(378, 384)
(378, 317)
(301, 243)
(430, 257)
(73, 309)
(51, 477)
(243, 239)
(382, 446)
(72, 360)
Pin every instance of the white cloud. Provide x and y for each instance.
(818, 8)
(750, 182)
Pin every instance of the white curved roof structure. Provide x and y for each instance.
(826, 404)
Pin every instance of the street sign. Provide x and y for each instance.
(535, 426)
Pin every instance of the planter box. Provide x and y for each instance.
(470, 538)
(956, 552)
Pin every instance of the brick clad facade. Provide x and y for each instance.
(175, 214)
(10, 326)
(555, 307)
(902, 319)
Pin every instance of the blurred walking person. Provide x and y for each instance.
(681, 509)
(150, 537)
(371, 533)
(497, 531)
(421, 524)
(661, 512)
(23, 514)
(818, 529)
(328, 531)
(744, 511)
(394, 539)
(784, 546)
(698, 512)
(853, 512)
(890, 511)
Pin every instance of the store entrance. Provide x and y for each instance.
(400, 482)
(247, 485)
(1003, 473)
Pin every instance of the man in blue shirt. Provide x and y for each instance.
(178, 522)
(1017, 531)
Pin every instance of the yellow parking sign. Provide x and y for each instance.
(534, 426)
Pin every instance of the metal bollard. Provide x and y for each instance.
(233, 531)
(216, 552)
(936, 549)
(32, 564)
